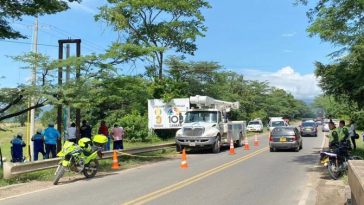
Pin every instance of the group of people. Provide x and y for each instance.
(47, 139)
(342, 134)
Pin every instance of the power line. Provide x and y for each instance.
(91, 44)
(28, 43)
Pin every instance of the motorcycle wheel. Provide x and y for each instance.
(59, 174)
(91, 168)
(333, 170)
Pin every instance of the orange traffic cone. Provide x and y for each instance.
(115, 162)
(256, 141)
(232, 150)
(184, 164)
(246, 144)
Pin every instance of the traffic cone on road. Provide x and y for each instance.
(256, 141)
(115, 162)
(246, 144)
(184, 164)
(232, 150)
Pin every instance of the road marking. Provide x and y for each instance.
(161, 192)
(32, 192)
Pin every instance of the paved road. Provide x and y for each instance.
(248, 177)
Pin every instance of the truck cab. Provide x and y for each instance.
(204, 126)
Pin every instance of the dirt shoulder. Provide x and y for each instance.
(322, 190)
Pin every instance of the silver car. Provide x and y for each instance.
(285, 138)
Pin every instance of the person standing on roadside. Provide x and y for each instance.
(118, 133)
(38, 144)
(51, 135)
(85, 130)
(104, 130)
(333, 136)
(17, 148)
(71, 133)
(352, 133)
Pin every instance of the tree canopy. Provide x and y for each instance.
(341, 22)
(159, 25)
(16, 9)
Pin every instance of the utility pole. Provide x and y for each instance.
(34, 80)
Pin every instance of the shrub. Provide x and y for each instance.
(135, 126)
(358, 117)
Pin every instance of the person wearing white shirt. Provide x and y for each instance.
(71, 133)
(352, 133)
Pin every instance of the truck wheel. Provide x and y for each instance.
(216, 147)
(178, 148)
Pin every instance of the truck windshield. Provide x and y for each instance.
(199, 116)
(277, 123)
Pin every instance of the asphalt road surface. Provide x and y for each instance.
(254, 176)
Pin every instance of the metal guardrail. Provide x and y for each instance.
(13, 169)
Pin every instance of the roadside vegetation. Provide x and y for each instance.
(125, 161)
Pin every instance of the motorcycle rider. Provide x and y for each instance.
(343, 133)
(333, 136)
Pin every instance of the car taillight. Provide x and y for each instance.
(271, 138)
(295, 138)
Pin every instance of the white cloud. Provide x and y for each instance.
(84, 6)
(304, 87)
(287, 51)
(288, 35)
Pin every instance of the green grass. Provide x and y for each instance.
(359, 148)
(7, 132)
(358, 152)
(143, 144)
(125, 161)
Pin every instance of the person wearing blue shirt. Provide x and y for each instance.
(17, 148)
(38, 143)
(51, 135)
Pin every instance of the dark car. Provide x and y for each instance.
(308, 129)
(285, 138)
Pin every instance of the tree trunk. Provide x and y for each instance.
(160, 65)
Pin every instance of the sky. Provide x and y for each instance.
(264, 40)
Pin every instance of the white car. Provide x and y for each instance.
(255, 126)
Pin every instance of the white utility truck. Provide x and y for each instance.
(205, 125)
(276, 122)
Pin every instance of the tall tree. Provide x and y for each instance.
(158, 24)
(16, 9)
(341, 22)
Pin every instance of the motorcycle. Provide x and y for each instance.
(336, 160)
(80, 157)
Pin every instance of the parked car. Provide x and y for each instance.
(308, 129)
(319, 122)
(255, 126)
(325, 127)
(285, 138)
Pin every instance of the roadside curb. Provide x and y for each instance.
(11, 186)
(310, 194)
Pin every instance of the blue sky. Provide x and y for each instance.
(262, 39)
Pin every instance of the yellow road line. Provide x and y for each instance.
(156, 194)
